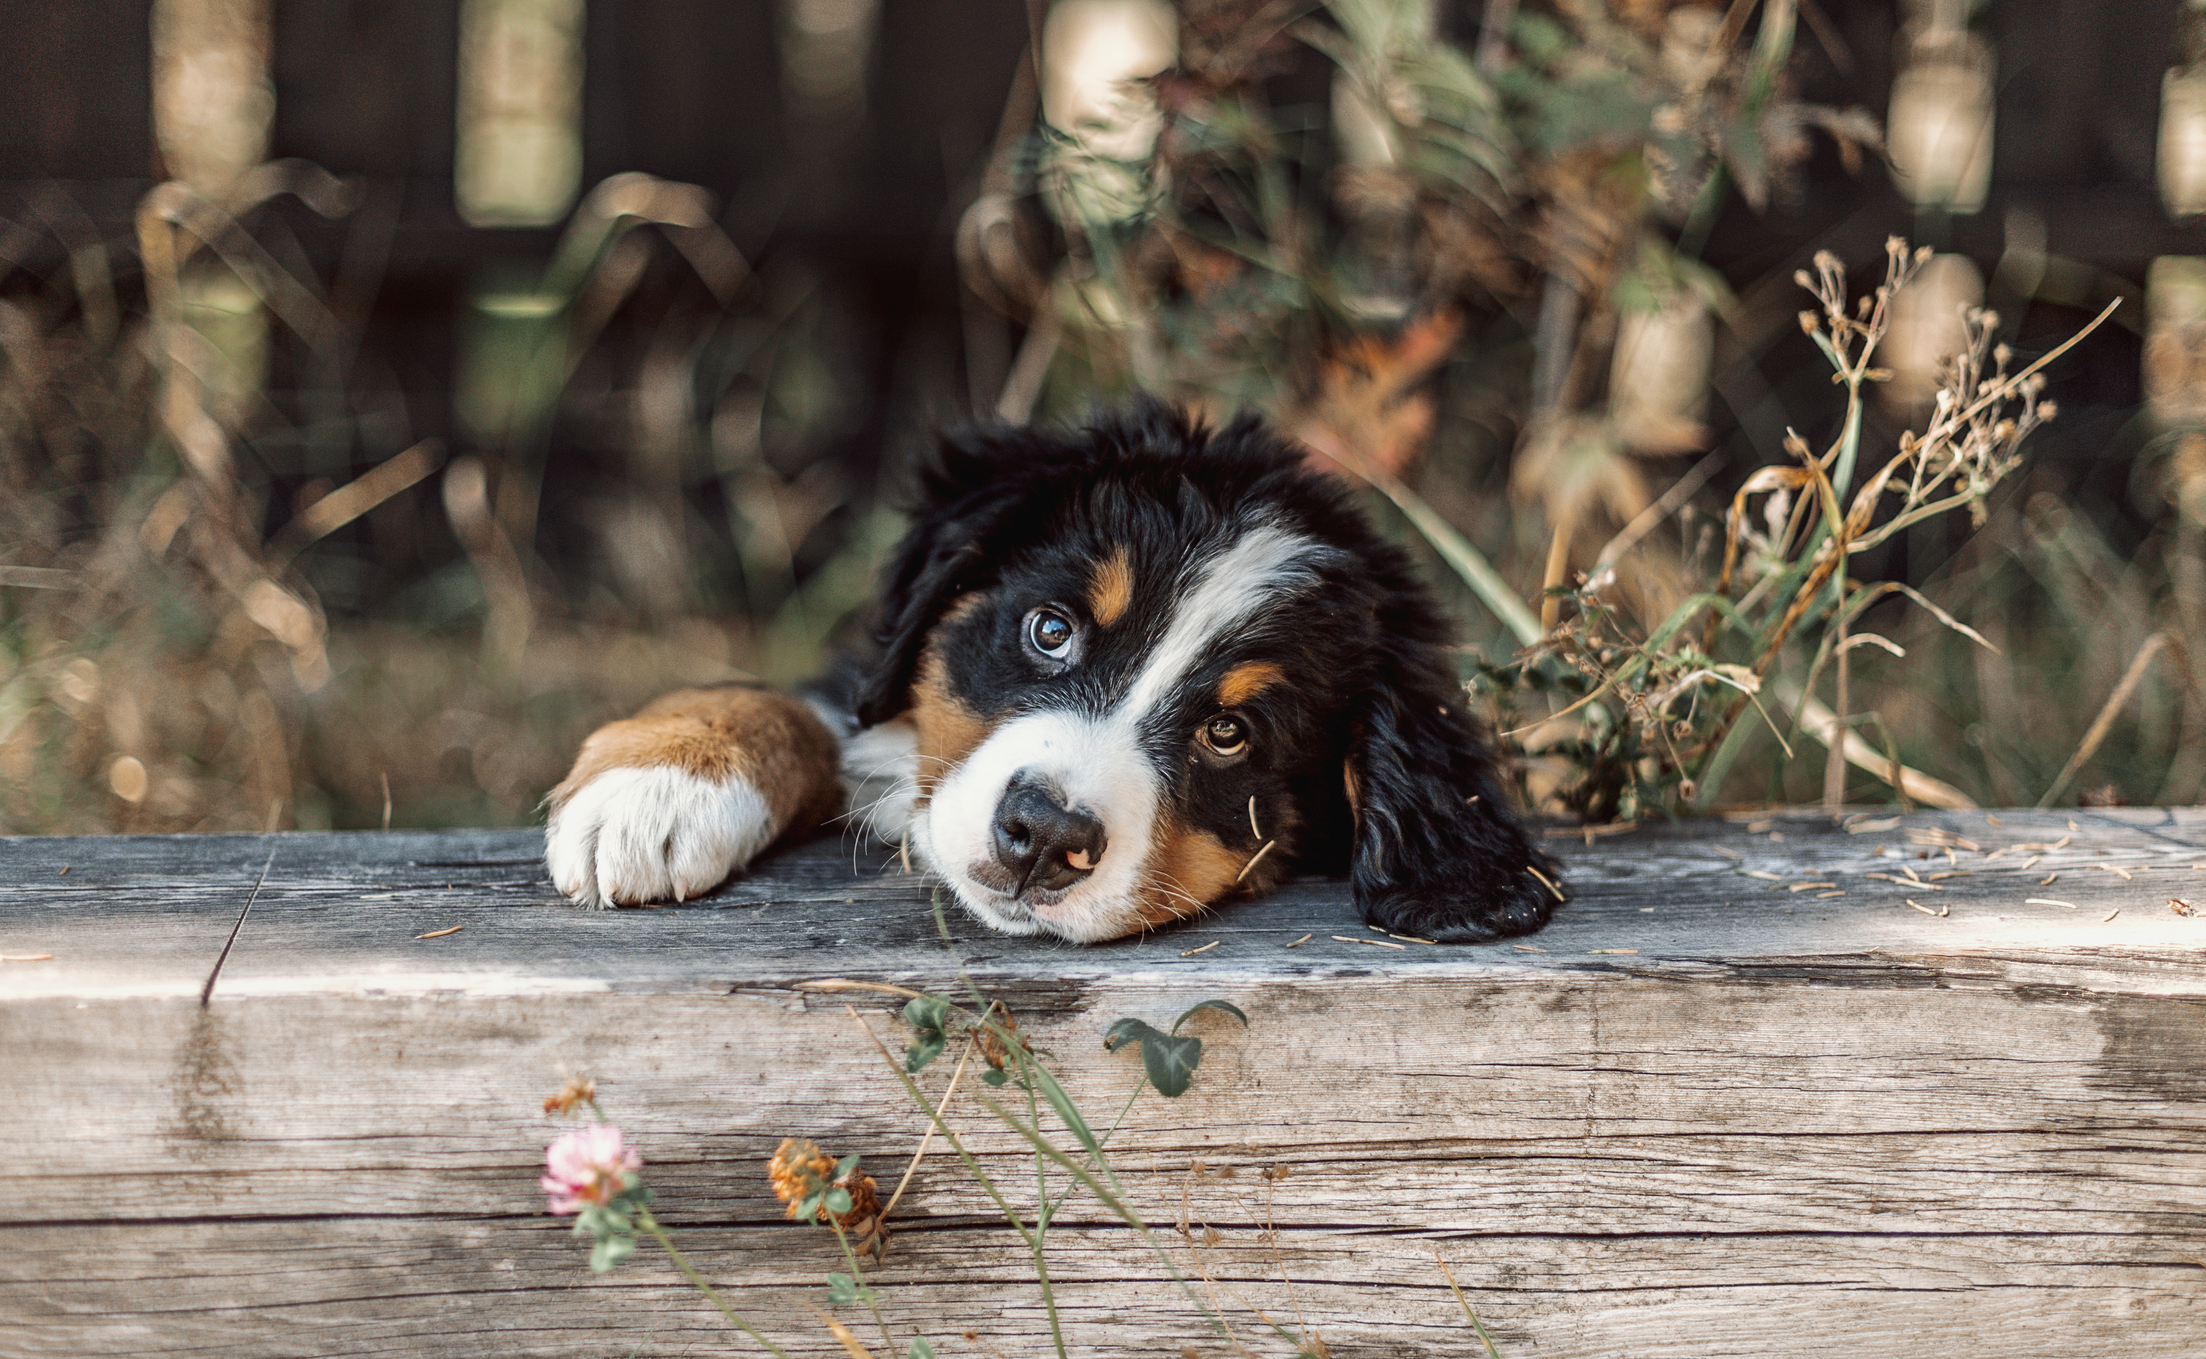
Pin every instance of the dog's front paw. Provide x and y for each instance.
(630, 836)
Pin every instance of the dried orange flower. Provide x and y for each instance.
(577, 1090)
(799, 1170)
(993, 1049)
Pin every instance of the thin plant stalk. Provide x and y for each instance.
(651, 1224)
(1041, 1225)
(1476, 1325)
(858, 1276)
(1109, 1200)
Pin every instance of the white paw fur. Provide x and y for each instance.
(636, 835)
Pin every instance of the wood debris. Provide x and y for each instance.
(1527, 948)
(1940, 913)
(2049, 901)
(1910, 881)
(1303, 940)
(1935, 838)
(1766, 877)
(1809, 886)
(439, 934)
(1204, 949)
(1253, 858)
(26, 957)
(2110, 915)
(1612, 950)
(2181, 907)
(1591, 832)
(1375, 943)
(2116, 869)
(1872, 827)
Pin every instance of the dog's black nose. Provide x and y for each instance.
(1041, 841)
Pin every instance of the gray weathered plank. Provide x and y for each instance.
(1787, 1124)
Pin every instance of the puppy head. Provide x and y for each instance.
(1151, 669)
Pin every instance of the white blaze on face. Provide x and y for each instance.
(1095, 761)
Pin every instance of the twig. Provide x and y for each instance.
(1253, 858)
(1816, 720)
(1650, 518)
(2097, 733)
(206, 993)
(971, 1041)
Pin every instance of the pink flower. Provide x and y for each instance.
(588, 1165)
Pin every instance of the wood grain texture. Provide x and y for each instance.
(1789, 1124)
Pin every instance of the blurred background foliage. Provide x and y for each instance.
(389, 394)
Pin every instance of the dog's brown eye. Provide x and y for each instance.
(1050, 632)
(1225, 736)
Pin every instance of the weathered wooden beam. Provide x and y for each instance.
(1709, 1115)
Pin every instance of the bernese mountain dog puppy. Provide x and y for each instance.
(1122, 675)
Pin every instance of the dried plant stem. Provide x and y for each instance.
(658, 1233)
(1468, 561)
(2099, 726)
(1815, 719)
(1024, 384)
(1649, 519)
(1558, 565)
(1476, 1325)
(1834, 761)
(858, 1276)
(971, 1041)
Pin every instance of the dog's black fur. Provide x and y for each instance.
(1364, 759)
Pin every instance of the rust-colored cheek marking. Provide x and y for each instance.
(1244, 682)
(948, 730)
(1188, 870)
(1111, 588)
(774, 742)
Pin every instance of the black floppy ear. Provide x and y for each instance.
(1438, 854)
(955, 542)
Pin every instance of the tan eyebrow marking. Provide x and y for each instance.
(1111, 589)
(1244, 682)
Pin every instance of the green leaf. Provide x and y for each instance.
(920, 1350)
(1062, 1103)
(927, 1012)
(808, 1207)
(838, 1201)
(1128, 1028)
(610, 1251)
(928, 1017)
(992, 1077)
(923, 1050)
(845, 1166)
(1170, 1062)
(841, 1288)
(1222, 1006)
